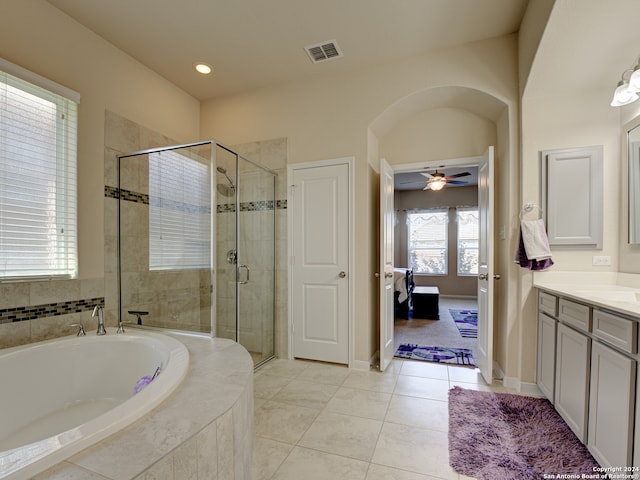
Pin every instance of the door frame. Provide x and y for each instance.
(454, 162)
(291, 168)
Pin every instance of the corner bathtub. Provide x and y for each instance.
(61, 396)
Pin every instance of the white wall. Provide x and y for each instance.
(438, 134)
(40, 38)
(330, 117)
(560, 120)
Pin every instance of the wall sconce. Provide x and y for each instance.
(627, 90)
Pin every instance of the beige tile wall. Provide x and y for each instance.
(124, 136)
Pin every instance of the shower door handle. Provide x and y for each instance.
(243, 282)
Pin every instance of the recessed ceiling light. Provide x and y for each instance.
(203, 68)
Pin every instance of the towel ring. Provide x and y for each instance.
(530, 207)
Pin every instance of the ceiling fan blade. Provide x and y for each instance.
(461, 174)
(428, 175)
(427, 187)
(457, 182)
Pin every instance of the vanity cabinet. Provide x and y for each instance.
(611, 404)
(547, 355)
(573, 351)
(592, 380)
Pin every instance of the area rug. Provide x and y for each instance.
(500, 436)
(466, 321)
(458, 356)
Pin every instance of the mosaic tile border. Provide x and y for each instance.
(130, 196)
(34, 312)
(252, 206)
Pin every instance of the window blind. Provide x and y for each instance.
(179, 211)
(468, 222)
(38, 180)
(427, 241)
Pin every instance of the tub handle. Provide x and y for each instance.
(81, 332)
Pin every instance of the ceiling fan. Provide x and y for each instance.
(436, 181)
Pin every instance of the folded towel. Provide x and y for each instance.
(522, 260)
(534, 236)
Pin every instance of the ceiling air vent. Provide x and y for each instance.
(323, 51)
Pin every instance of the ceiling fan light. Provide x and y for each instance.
(437, 183)
(623, 95)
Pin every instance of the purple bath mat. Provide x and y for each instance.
(500, 436)
(466, 321)
(457, 356)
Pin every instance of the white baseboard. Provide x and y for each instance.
(497, 371)
(365, 366)
(360, 365)
(514, 383)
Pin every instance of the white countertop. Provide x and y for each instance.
(619, 292)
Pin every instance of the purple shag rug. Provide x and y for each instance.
(500, 436)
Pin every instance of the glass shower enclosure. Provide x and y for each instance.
(196, 243)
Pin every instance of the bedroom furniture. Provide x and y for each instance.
(425, 302)
(403, 287)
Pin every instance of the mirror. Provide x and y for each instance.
(633, 152)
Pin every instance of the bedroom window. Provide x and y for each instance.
(467, 220)
(38, 193)
(428, 242)
(179, 211)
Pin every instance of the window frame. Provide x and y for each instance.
(61, 261)
(459, 251)
(166, 210)
(444, 214)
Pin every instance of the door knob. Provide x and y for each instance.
(342, 274)
(483, 276)
(497, 276)
(377, 275)
(388, 275)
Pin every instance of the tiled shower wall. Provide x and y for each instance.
(257, 227)
(124, 136)
(179, 299)
(35, 311)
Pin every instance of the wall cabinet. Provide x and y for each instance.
(573, 209)
(587, 367)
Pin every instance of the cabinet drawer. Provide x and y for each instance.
(548, 303)
(575, 314)
(616, 331)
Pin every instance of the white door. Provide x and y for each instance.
(320, 207)
(386, 264)
(484, 349)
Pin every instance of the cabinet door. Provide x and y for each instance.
(574, 209)
(546, 355)
(611, 406)
(572, 378)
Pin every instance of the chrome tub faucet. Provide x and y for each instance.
(97, 310)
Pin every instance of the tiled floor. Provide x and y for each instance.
(323, 422)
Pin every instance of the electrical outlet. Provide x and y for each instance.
(601, 260)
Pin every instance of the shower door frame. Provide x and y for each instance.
(213, 267)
